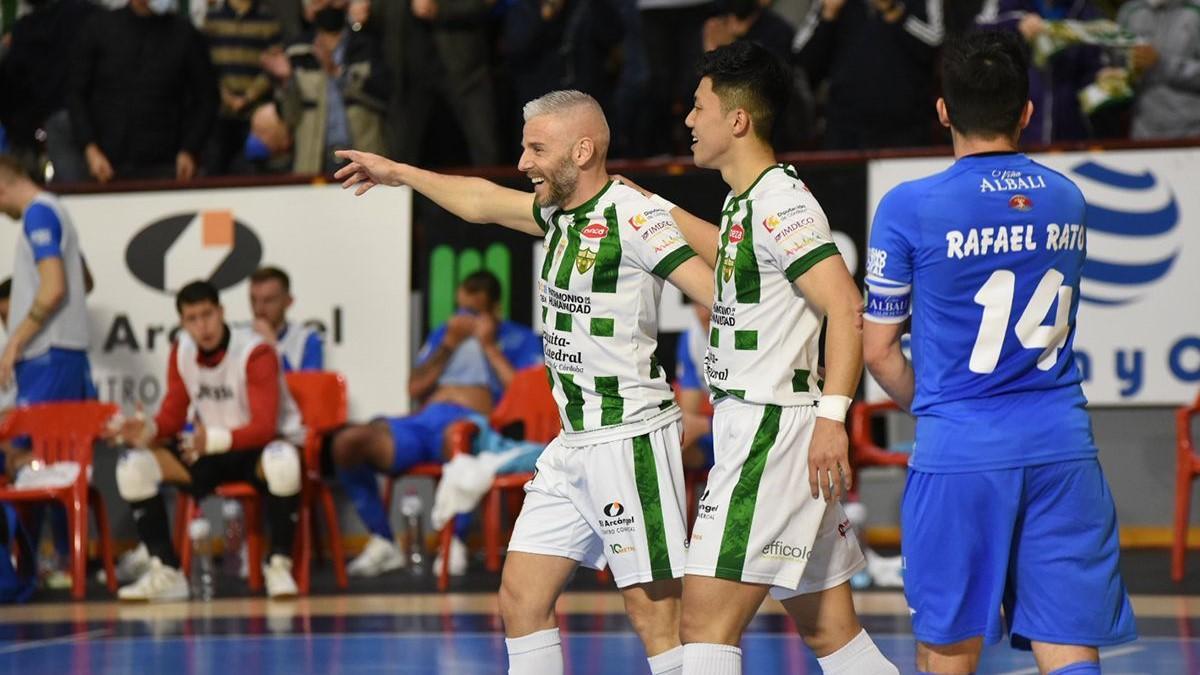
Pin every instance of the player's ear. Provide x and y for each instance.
(1026, 115)
(585, 149)
(942, 113)
(741, 122)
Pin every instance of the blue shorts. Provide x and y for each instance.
(57, 375)
(419, 437)
(1041, 541)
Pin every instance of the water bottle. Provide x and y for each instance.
(187, 435)
(231, 563)
(202, 582)
(410, 508)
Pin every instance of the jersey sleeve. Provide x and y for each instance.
(542, 216)
(795, 233)
(43, 231)
(687, 376)
(655, 240)
(172, 414)
(431, 344)
(890, 260)
(313, 357)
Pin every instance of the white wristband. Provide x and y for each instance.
(662, 203)
(833, 407)
(217, 440)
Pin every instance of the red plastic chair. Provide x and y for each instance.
(1187, 467)
(530, 401)
(324, 405)
(60, 432)
(864, 451)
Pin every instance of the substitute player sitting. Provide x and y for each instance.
(609, 489)
(246, 428)
(461, 371)
(1005, 504)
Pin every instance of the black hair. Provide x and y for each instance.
(985, 82)
(196, 292)
(483, 281)
(747, 75)
(6, 289)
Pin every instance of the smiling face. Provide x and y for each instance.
(712, 129)
(547, 159)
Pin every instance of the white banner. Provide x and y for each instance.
(1138, 333)
(349, 261)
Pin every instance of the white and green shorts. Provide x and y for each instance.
(757, 521)
(618, 503)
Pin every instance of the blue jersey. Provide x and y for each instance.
(986, 256)
(468, 366)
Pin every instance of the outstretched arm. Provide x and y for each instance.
(475, 200)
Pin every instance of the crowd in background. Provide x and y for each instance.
(181, 88)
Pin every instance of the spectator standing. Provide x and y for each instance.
(33, 77)
(561, 44)
(878, 57)
(142, 96)
(334, 91)
(1054, 89)
(239, 33)
(1167, 103)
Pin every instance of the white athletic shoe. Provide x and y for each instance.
(158, 584)
(458, 559)
(130, 566)
(278, 576)
(377, 557)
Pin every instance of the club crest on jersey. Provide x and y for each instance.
(1020, 203)
(585, 260)
(638, 221)
(771, 222)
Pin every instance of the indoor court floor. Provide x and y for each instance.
(459, 633)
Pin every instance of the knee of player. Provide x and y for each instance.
(281, 468)
(138, 475)
(519, 604)
(658, 619)
(696, 626)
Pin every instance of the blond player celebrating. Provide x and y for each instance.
(609, 490)
(769, 520)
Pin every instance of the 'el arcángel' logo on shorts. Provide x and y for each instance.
(614, 509)
(212, 245)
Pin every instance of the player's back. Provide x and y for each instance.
(993, 248)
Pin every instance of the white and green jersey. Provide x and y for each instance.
(763, 341)
(601, 279)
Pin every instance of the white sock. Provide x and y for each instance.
(538, 653)
(859, 656)
(702, 658)
(669, 662)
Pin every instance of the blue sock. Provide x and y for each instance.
(363, 491)
(1081, 668)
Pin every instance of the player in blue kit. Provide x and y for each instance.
(1006, 504)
